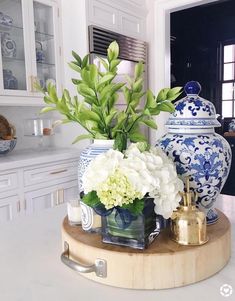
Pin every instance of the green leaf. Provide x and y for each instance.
(174, 91)
(84, 90)
(77, 58)
(76, 81)
(127, 94)
(89, 115)
(38, 87)
(114, 63)
(82, 137)
(74, 67)
(93, 73)
(52, 92)
(139, 69)
(137, 86)
(120, 142)
(85, 61)
(143, 146)
(136, 207)
(110, 117)
(150, 123)
(100, 136)
(166, 106)
(105, 79)
(150, 100)
(162, 95)
(91, 199)
(154, 111)
(85, 75)
(137, 137)
(104, 63)
(47, 109)
(113, 51)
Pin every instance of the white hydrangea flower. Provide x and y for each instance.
(145, 172)
(100, 169)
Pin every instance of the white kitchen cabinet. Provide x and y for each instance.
(51, 196)
(127, 17)
(37, 181)
(9, 208)
(132, 24)
(30, 49)
(103, 14)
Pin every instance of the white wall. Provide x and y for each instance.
(74, 32)
(16, 116)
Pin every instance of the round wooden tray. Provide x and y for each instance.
(165, 264)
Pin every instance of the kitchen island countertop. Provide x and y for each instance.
(30, 267)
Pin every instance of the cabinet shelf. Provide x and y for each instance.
(10, 28)
(12, 59)
(45, 64)
(42, 37)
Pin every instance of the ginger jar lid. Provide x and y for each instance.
(193, 111)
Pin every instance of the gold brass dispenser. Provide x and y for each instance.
(188, 224)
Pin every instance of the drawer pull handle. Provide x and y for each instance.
(99, 267)
(59, 171)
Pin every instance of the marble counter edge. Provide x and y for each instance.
(31, 157)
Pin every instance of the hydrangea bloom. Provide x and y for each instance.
(117, 190)
(119, 179)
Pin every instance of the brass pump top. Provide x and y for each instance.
(187, 196)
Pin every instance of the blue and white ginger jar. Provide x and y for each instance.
(196, 149)
(91, 221)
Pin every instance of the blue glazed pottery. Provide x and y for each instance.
(196, 149)
(5, 20)
(10, 81)
(91, 221)
(7, 146)
(8, 46)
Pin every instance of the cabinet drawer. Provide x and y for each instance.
(49, 173)
(8, 181)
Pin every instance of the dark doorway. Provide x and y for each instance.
(203, 49)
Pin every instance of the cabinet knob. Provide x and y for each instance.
(232, 145)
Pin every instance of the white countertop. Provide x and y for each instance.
(30, 267)
(23, 158)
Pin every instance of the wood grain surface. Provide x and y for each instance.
(164, 264)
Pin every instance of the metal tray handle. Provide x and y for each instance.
(99, 267)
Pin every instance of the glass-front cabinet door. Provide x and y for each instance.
(46, 48)
(30, 47)
(13, 58)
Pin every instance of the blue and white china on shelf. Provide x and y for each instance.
(231, 126)
(90, 220)
(10, 81)
(40, 55)
(196, 149)
(8, 46)
(5, 20)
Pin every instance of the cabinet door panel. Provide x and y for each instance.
(40, 199)
(49, 197)
(44, 39)
(131, 24)
(8, 208)
(104, 15)
(13, 60)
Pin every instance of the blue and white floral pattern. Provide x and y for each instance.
(198, 152)
(205, 158)
(86, 156)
